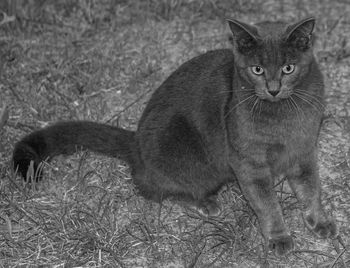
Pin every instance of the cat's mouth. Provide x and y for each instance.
(274, 96)
(273, 99)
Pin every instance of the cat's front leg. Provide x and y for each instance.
(305, 182)
(257, 186)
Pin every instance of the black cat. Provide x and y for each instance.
(249, 114)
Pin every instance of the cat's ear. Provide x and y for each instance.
(245, 36)
(299, 34)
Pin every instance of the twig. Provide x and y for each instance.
(105, 90)
(25, 213)
(336, 243)
(337, 258)
(196, 257)
(4, 116)
(22, 126)
(309, 251)
(211, 264)
(335, 24)
(17, 96)
(55, 24)
(6, 18)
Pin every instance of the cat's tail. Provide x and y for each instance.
(67, 138)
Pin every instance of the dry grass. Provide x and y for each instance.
(101, 60)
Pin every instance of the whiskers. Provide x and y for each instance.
(256, 108)
(252, 99)
(248, 91)
(300, 96)
(311, 99)
(249, 98)
(293, 105)
(296, 105)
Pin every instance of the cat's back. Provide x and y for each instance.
(180, 119)
(205, 75)
(201, 68)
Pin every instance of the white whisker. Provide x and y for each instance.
(305, 99)
(307, 94)
(240, 91)
(252, 110)
(240, 103)
(299, 112)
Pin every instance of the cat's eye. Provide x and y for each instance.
(288, 69)
(257, 70)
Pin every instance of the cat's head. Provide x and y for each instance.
(273, 57)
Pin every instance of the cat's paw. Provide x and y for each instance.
(281, 244)
(209, 207)
(321, 227)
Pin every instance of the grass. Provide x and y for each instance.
(101, 61)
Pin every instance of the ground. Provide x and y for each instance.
(101, 61)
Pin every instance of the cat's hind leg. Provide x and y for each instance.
(190, 191)
(208, 207)
(179, 165)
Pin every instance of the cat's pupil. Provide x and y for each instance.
(287, 69)
(257, 70)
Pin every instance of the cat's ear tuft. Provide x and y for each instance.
(299, 35)
(245, 36)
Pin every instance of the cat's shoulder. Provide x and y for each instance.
(218, 56)
(211, 63)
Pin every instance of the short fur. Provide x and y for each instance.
(215, 120)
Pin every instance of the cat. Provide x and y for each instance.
(248, 114)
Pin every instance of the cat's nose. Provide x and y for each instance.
(273, 87)
(273, 93)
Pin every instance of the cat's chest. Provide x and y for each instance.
(280, 132)
(276, 142)
(279, 127)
